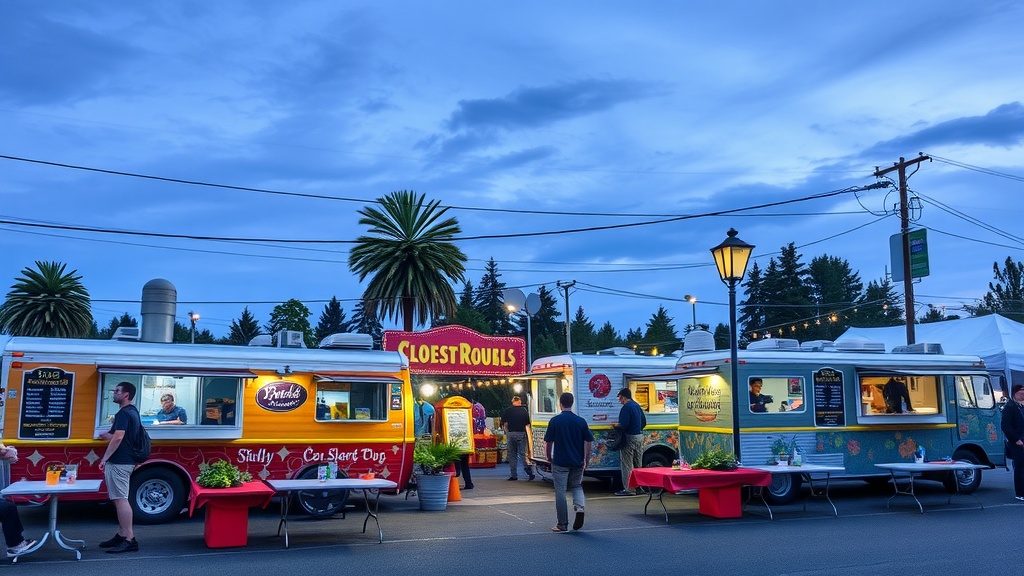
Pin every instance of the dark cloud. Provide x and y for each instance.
(1003, 126)
(534, 107)
(43, 61)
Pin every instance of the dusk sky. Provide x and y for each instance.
(581, 114)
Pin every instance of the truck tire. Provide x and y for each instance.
(969, 480)
(655, 459)
(783, 489)
(157, 495)
(320, 503)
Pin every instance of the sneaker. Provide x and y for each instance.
(117, 539)
(1019, 497)
(125, 546)
(20, 548)
(467, 487)
(625, 493)
(511, 478)
(560, 528)
(578, 522)
(531, 477)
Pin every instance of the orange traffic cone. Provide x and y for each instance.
(454, 494)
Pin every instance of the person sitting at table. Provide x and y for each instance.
(169, 413)
(13, 529)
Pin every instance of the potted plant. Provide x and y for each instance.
(431, 479)
(221, 474)
(782, 449)
(715, 459)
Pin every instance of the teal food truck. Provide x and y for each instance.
(848, 403)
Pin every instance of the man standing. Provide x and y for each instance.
(1013, 429)
(631, 425)
(516, 423)
(567, 444)
(117, 465)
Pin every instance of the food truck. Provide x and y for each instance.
(848, 403)
(277, 410)
(595, 380)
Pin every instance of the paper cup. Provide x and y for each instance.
(52, 477)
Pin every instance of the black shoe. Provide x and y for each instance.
(117, 539)
(467, 487)
(512, 478)
(125, 546)
(531, 477)
(578, 522)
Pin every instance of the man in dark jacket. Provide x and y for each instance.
(631, 424)
(1013, 429)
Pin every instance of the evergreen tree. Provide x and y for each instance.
(364, 323)
(332, 320)
(787, 287)
(489, 303)
(291, 315)
(634, 337)
(466, 297)
(751, 311)
(607, 337)
(934, 314)
(835, 289)
(722, 337)
(661, 334)
(1006, 295)
(582, 332)
(243, 329)
(546, 323)
(879, 306)
(545, 345)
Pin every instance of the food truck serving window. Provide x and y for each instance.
(776, 394)
(655, 397)
(341, 399)
(903, 394)
(165, 399)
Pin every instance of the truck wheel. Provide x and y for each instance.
(652, 459)
(157, 495)
(320, 503)
(783, 489)
(969, 480)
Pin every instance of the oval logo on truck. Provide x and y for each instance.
(280, 396)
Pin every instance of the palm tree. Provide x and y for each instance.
(411, 257)
(47, 302)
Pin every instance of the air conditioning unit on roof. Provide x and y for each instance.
(348, 341)
(856, 344)
(127, 333)
(262, 340)
(290, 339)
(774, 344)
(919, 348)
(818, 345)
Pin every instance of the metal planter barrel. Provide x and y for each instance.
(432, 490)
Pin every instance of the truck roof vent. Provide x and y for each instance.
(618, 351)
(290, 339)
(127, 333)
(919, 348)
(774, 344)
(818, 346)
(698, 341)
(858, 344)
(262, 340)
(347, 341)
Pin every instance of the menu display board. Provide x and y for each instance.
(458, 429)
(828, 398)
(46, 404)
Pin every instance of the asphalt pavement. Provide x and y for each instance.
(503, 527)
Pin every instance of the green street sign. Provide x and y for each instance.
(918, 254)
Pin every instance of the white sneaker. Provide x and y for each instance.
(20, 548)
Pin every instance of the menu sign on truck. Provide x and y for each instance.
(828, 398)
(46, 404)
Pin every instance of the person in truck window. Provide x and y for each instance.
(896, 396)
(758, 402)
(169, 413)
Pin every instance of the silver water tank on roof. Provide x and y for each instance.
(159, 305)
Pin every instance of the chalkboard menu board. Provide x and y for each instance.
(828, 398)
(46, 404)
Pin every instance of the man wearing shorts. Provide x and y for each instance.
(117, 465)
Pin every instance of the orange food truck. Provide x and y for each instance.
(276, 411)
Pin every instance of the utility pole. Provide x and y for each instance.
(568, 320)
(908, 283)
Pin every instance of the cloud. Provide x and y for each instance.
(1003, 126)
(536, 107)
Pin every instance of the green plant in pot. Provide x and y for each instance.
(715, 459)
(431, 480)
(782, 448)
(221, 474)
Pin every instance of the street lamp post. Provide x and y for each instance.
(693, 300)
(731, 257)
(517, 302)
(193, 317)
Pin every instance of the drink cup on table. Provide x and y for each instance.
(72, 473)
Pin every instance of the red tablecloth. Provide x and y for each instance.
(676, 480)
(246, 495)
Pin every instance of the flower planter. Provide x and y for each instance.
(432, 491)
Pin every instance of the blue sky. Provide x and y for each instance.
(589, 113)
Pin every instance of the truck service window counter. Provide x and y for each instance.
(595, 380)
(848, 403)
(276, 411)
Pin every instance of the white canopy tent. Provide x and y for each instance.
(998, 340)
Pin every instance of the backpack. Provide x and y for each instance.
(139, 446)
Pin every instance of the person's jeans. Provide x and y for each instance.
(630, 456)
(12, 523)
(1017, 457)
(571, 480)
(516, 453)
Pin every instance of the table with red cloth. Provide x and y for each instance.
(227, 511)
(718, 490)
